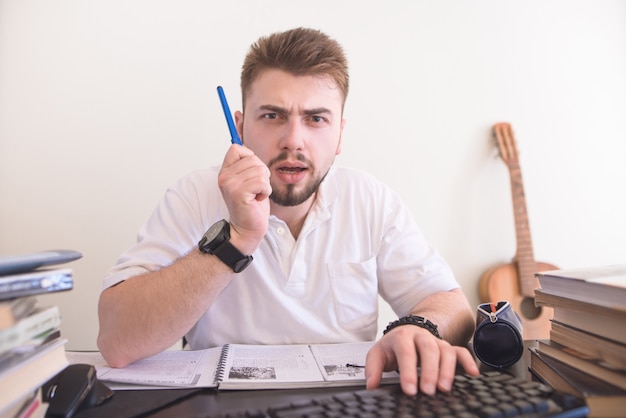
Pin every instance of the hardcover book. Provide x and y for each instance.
(28, 371)
(33, 328)
(604, 285)
(582, 362)
(594, 319)
(12, 310)
(603, 399)
(35, 283)
(591, 345)
(22, 263)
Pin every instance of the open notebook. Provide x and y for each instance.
(241, 366)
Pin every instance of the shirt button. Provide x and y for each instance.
(280, 230)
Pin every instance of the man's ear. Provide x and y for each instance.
(239, 124)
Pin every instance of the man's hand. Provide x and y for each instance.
(244, 181)
(406, 347)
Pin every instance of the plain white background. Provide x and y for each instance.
(104, 104)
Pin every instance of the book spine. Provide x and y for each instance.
(34, 285)
(30, 327)
(13, 310)
(29, 370)
(24, 307)
(221, 365)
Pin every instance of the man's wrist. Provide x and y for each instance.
(216, 241)
(245, 245)
(416, 320)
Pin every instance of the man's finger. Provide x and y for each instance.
(447, 367)
(466, 360)
(429, 359)
(374, 366)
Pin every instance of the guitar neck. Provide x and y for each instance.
(526, 265)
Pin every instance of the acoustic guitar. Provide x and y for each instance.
(516, 281)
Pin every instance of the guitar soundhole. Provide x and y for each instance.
(529, 310)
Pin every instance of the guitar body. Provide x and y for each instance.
(501, 282)
(516, 282)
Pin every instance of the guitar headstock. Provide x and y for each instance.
(503, 134)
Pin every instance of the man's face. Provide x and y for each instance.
(294, 125)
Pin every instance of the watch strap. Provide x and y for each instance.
(232, 257)
(216, 241)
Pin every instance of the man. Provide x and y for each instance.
(325, 241)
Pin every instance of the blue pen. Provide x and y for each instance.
(234, 136)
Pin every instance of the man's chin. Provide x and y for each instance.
(291, 197)
(287, 201)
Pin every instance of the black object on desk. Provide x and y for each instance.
(73, 389)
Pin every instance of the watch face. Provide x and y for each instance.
(216, 241)
(214, 230)
(211, 238)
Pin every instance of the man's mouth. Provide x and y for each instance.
(291, 170)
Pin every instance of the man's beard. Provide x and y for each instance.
(289, 196)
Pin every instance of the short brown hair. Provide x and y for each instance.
(300, 52)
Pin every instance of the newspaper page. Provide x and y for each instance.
(269, 367)
(346, 362)
(168, 369)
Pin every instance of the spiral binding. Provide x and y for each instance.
(221, 365)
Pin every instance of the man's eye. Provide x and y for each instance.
(270, 116)
(317, 119)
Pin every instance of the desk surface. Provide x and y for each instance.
(168, 403)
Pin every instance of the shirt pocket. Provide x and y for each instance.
(355, 293)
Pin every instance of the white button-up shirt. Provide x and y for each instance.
(359, 240)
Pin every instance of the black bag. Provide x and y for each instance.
(498, 338)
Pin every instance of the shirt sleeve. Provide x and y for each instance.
(174, 228)
(409, 268)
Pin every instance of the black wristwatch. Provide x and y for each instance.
(216, 241)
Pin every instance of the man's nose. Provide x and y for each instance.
(293, 136)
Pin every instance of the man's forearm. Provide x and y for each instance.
(147, 314)
(452, 314)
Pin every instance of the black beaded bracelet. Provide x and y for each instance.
(414, 320)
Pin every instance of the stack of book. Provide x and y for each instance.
(31, 348)
(586, 352)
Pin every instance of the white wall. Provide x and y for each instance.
(103, 104)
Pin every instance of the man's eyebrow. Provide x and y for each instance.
(278, 109)
(273, 108)
(317, 111)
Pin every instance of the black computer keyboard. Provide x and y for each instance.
(493, 394)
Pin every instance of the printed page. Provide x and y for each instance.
(171, 368)
(346, 361)
(269, 367)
